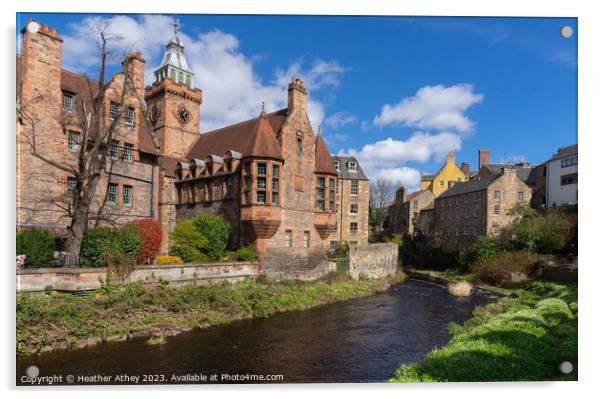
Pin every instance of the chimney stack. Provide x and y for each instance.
(297, 95)
(483, 157)
(466, 169)
(135, 67)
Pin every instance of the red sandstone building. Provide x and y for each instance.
(270, 177)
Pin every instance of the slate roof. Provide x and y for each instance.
(346, 174)
(253, 137)
(427, 177)
(564, 152)
(526, 173)
(469, 186)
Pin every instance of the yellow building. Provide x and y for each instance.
(446, 177)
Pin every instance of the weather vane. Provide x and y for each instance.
(175, 24)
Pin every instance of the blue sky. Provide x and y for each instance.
(398, 92)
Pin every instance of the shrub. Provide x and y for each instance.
(507, 269)
(217, 233)
(169, 260)
(188, 254)
(201, 238)
(149, 231)
(461, 288)
(95, 244)
(248, 253)
(129, 241)
(530, 230)
(483, 248)
(37, 245)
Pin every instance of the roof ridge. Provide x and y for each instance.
(241, 122)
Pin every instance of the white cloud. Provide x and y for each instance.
(232, 90)
(512, 159)
(387, 158)
(339, 119)
(365, 126)
(433, 107)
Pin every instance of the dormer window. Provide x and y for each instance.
(337, 165)
(352, 166)
(68, 102)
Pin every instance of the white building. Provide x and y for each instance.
(561, 177)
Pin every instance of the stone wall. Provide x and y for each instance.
(86, 279)
(373, 260)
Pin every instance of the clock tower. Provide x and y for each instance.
(173, 104)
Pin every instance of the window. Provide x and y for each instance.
(466, 213)
(127, 195)
(261, 197)
(354, 187)
(262, 168)
(337, 165)
(457, 231)
(465, 229)
(331, 185)
(114, 149)
(73, 143)
(475, 212)
(228, 187)
(68, 102)
(114, 111)
(352, 166)
(567, 162)
(353, 227)
(128, 152)
(275, 170)
(129, 116)
(353, 209)
(450, 202)
(450, 184)
(112, 193)
(299, 146)
(71, 182)
(568, 179)
(288, 238)
(496, 210)
(275, 184)
(497, 195)
(306, 239)
(320, 194)
(261, 183)
(474, 230)
(442, 215)
(449, 215)
(441, 184)
(275, 198)
(521, 196)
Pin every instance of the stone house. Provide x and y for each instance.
(478, 207)
(271, 177)
(404, 217)
(352, 202)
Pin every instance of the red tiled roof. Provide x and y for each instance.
(323, 161)
(169, 165)
(253, 137)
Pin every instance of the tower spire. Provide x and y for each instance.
(174, 65)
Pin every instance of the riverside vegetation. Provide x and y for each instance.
(524, 337)
(116, 312)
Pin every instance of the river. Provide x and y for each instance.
(361, 340)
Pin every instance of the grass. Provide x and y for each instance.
(524, 337)
(51, 320)
(461, 288)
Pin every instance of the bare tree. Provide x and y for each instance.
(381, 196)
(91, 163)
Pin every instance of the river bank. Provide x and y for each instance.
(116, 313)
(524, 336)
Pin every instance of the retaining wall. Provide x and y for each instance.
(86, 279)
(373, 260)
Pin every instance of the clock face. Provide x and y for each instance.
(183, 114)
(154, 114)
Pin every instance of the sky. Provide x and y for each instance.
(399, 93)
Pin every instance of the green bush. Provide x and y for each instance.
(247, 253)
(37, 245)
(544, 233)
(483, 248)
(129, 241)
(506, 269)
(200, 239)
(188, 254)
(99, 241)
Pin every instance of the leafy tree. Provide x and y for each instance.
(149, 231)
(483, 248)
(200, 238)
